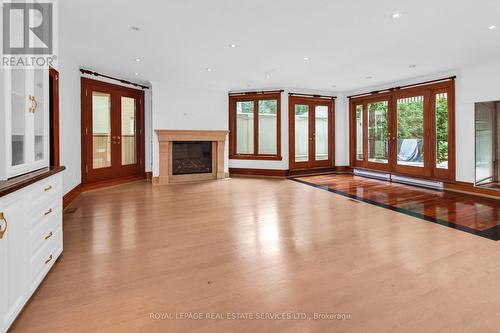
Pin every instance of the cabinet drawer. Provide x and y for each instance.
(42, 212)
(45, 190)
(44, 259)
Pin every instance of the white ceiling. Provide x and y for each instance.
(346, 40)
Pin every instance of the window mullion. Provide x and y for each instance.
(256, 127)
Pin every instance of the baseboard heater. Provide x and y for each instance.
(418, 182)
(372, 174)
(435, 185)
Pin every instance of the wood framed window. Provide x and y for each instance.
(255, 126)
(407, 131)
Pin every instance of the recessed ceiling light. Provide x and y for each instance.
(396, 15)
(138, 60)
(412, 66)
(306, 58)
(492, 27)
(135, 28)
(208, 69)
(369, 77)
(268, 76)
(136, 74)
(232, 46)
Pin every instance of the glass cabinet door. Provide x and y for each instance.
(39, 114)
(18, 117)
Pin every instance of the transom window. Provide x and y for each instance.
(254, 125)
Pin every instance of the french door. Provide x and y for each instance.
(311, 126)
(112, 131)
(405, 132)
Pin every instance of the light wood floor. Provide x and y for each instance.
(254, 246)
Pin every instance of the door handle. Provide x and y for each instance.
(2, 218)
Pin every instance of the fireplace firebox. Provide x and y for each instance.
(191, 157)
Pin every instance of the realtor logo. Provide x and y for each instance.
(28, 34)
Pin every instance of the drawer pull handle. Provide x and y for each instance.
(47, 212)
(2, 218)
(48, 260)
(49, 235)
(47, 189)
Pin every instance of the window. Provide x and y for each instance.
(254, 126)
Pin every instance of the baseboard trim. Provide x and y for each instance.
(69, 197)
(258, 172)
(112, 182)
(469, 188)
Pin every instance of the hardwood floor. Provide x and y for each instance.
(256, 246)
(473, 214)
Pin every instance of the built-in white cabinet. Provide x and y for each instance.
(25, 139)
(30, 242)
(13, 259)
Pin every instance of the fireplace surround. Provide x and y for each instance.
(190, 155)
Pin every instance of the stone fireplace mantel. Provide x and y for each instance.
(166, 139)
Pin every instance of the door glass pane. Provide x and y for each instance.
(268, 126)
(359, 132)
(441, 103)
(39, 114)
(244, 127)
(301, 133)
(411, 131)
(18, 101)
(128, 131)
(378, 144)
(485, 143)
(321, 132)
(101, 130)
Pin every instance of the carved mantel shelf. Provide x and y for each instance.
(167, 137)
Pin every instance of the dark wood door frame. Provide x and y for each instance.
(312, 102)
(128, 172)
(54, 117)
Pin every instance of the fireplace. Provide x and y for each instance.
(189, 157)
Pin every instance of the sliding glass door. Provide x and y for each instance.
(407, 132)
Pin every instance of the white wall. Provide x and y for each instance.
(477, 83)
(187, 107)
(69, 120)
(182, 106)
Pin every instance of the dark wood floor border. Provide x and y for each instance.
(492, 233)
(72, 195)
